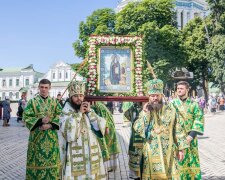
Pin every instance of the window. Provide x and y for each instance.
(3, 83)
(17, 95)
(60, 75)
(27, 82)
(53, 75)
(10, 82)
(196, 14)
(17, 82)
(3, 96)
(10, 95)
(66, 75)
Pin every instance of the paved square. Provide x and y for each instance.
(13, 147)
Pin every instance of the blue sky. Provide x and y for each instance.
(41, 32)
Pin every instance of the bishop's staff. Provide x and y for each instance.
(151, 70)
(81, 66)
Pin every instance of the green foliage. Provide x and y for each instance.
(195, 41)
(204, 42)
(216, 56)
(101, 22)
(153, 20)
(217, 8)
(162, 41)
(215, 50)
(217, 15)
(163, 48)
(134, 15)
(81, 69)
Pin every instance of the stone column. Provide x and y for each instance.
(179, 19)
(192, 14)
(185, 17)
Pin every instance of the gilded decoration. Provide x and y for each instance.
(125, 55)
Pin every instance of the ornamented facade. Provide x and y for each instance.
(60, 74)
(12, 80)
(15, 80)
(189, 9)
(185, 10)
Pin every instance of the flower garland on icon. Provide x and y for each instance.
(96, 41)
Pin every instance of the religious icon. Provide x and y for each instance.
(115, 70)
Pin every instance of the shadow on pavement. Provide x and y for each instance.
(213, 178)
(13, 123)
(206, 137)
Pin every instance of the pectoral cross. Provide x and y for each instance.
(83, 131)
(157, 130)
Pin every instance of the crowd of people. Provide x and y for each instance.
(163, 142)
(87, 145)
(216, 103)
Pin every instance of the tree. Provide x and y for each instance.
(163, 48)
(134, 15)
(100, 22)
(217, 15)
(81, 69)
(162, 42)
(216, 56)
(195, 40)
(217, 8)
(153, 20)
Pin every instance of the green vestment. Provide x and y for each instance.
(163, 137)
(108, 143)
(125, 107)
(43, 159)
(136, 141)
(190, 116)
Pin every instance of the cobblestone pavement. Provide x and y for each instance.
(13, 150)
(13, 147)
(212, 147)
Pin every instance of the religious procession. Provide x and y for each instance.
(134, 107)
(76, 139)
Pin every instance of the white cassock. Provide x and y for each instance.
(81, 154)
